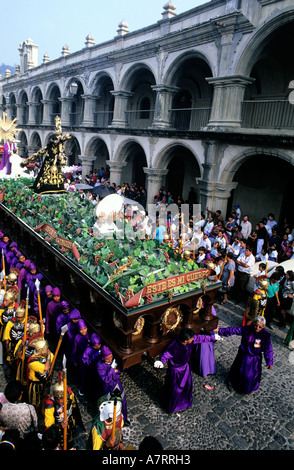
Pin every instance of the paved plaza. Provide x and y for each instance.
(219, 419)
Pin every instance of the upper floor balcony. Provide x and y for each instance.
(263, 114)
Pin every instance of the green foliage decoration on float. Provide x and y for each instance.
(122, 267)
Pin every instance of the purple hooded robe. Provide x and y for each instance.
(5, 162)
(52, 311)
(90, 357)
(178, 385)
(79, 346)
(245, 373)
(204, 356)
(109, 379)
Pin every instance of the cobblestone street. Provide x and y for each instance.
(219, 419)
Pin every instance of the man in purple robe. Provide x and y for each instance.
(51, 313)
(109, 378)
(23, 277)
(245, 373)
(31, 281)
(81, 341)
(10, 254)
(5, 245)
(62, 318)
(91, 355)
(178, 385)
(93, 351)
(44, 300)
(204, 355)
(72, 330)
(5, 162)
(20, 260)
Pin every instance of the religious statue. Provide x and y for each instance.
(50, 178)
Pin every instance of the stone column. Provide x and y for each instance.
(20, 113)
(115, 171)
(155, 178)
(47, 106)
(227, 100)
(120, 108)
(215, 194)
(32, 113)
(65, 110)
(9, 110)
(88, 118)
(87, 164)
(163, 104)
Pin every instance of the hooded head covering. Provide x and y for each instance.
(81, 324)
(65, 305)
(74, 314)
(56, 291)
(48, 289)
(95, 339)
(105, 351)
(27, 263)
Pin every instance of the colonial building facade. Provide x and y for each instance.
(200, 99)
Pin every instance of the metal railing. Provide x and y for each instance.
(76, 119)
(189, 118)
(103, 118)
(258, 114)
(267, 114)
(139, 118)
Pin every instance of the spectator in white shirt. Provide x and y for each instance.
(198, 224)
(245, 263)
(235, 248)
(209, 225)
(205, 242)
(246, 227)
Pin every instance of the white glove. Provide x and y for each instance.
(217, 337)
(114, 364)
(158, 364)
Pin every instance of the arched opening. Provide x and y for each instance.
(55, 104)
(103, 110)
(266, 104)
(38, 106)
(183, 169)
(141, 105)
(24, 108)
(72, 151)
(12, 106)
(265, 184)
(135, 157)
(35, 143)
(22, 145)
(192, 102)
(76, 110)
(99, 149)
